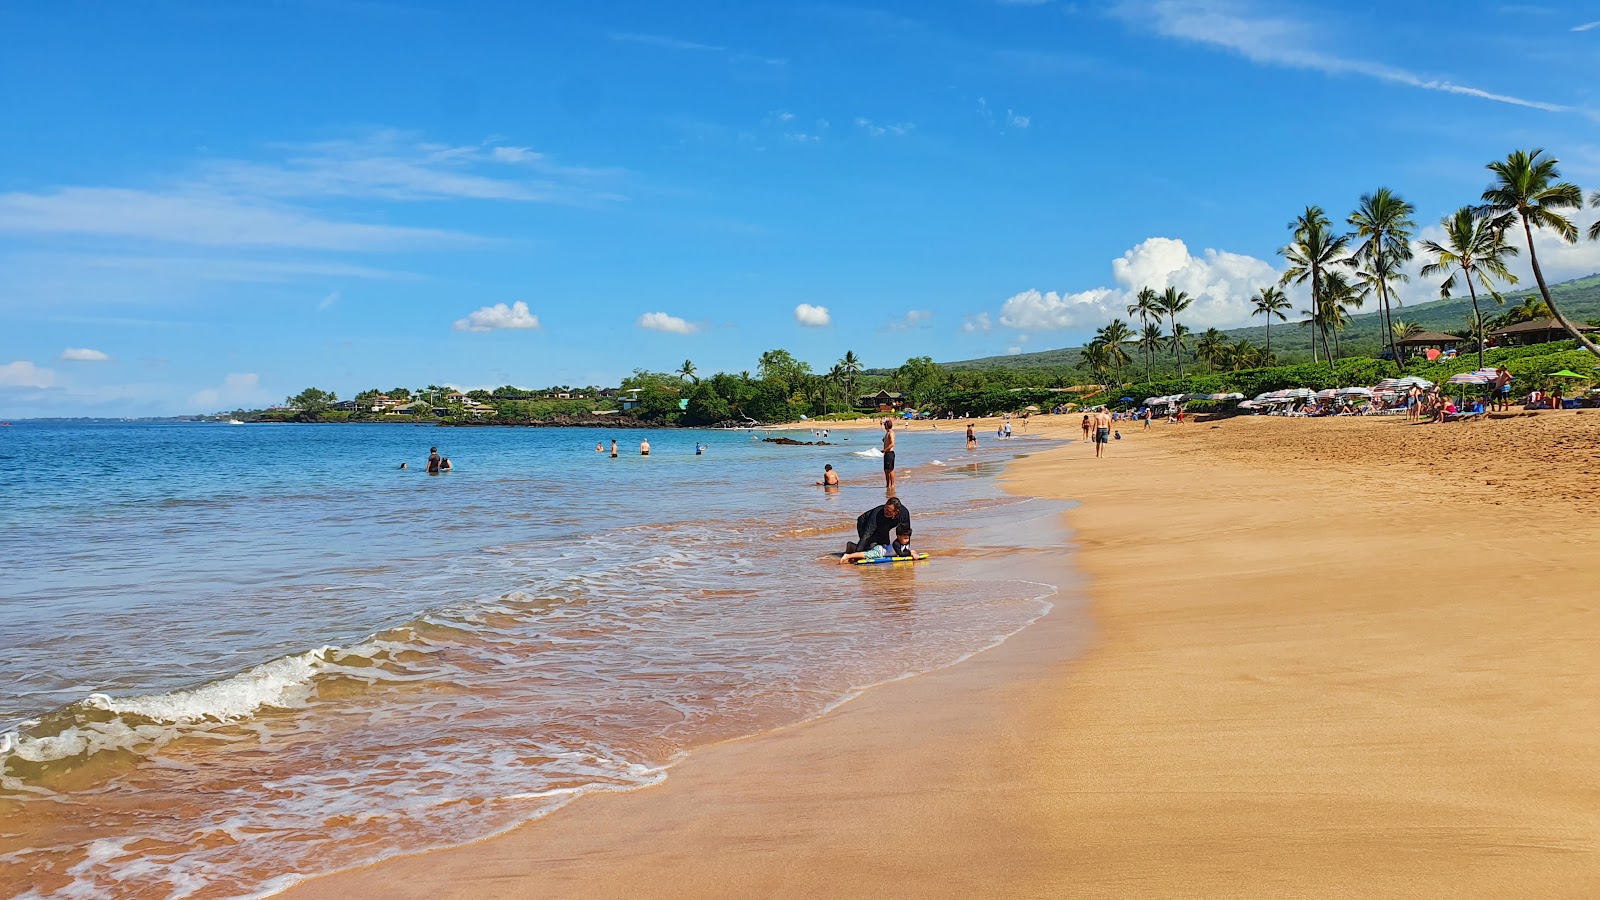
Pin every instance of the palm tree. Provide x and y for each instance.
(1383, 221)
(1523, 191)
(836, 378)
(1594, 230)
(1177, 342)
(1151, 340)
(1403, 329)
(1210, 347)
(1113, 337)
(1097, 357)
(1313, 249)
(1269, 302)
(687, 370)
(1243, 355)
(1174, 301)
(1476, 330)
(1529, 309)
(1146, 305)
(1472, 244)
(851, 364)
(1339, 296)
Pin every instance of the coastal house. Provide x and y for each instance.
(347, 405)
(383, 403)
(630, 398)
(474, 408)
(1535, 331)
(414, 408)
(453, 397)
(1423, 341)
(882, 401)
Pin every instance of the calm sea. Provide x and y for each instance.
(235, 655)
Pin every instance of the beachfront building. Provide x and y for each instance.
(1535, 331)
(474, 408)
(882, 401)
(1423, 341)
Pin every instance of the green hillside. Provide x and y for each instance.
(1578, 299)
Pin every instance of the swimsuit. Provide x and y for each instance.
(1102, 435)
(888, 461)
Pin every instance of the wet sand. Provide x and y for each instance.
(1328, 659)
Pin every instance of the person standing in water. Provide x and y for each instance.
(644, 447)
(613, 448)
(599, 447)
(433, 460)
(972, 438)
(888, 456)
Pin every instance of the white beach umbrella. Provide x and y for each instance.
(1328, 394)
(1355, 392)
(1467, 378)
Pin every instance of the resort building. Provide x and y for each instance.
(882, 401)
(1535, 331)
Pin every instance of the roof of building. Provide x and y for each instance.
(1429, 338)
(1544, 323)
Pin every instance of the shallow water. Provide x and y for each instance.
(238, 654)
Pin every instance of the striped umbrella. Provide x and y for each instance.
(1467, 378)
(1328, 394)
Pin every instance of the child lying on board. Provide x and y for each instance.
(901, 546)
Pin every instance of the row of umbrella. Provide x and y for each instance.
(1175, 399)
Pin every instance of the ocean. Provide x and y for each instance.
(235, 656)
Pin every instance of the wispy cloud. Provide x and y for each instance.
(84, 354)
(877, 129)
(328, 301)
(1016, 120)
(237, 390)
(664, 41)
(1587, 26)
(1279, 40)
(912, 319)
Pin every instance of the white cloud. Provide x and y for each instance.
(1221, 284)
(328, 301)
(238, 389)
(660, 321)
(875, 129)
(664, 42)
(910, 320)
(1013, 350)
(498, 316)
(24, 374)
(1587, 26)
(84, 354)
(1281, 41)
(976, 324)
(1559, 260)
(1016, 121)
(202, 219)
(812, 316)
(782, 115)
(800, 137)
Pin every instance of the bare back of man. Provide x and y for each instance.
(888, 456)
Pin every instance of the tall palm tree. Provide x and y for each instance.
(1383, 224)
(851, 364)
(1523, 191)
(1098, 358)
(1177, 342)
(1146, 305)
(1269, 302)
(1210, 347)
(687, 370)
(1174, 301)
(1151, 340)
(1594, 230)
(836, 377)
(1473, 244)
(1529, 309)
(1113, 337)
(1312, 250)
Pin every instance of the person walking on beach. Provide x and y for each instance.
(1146, 418)
(972, 438)
(1501, 398)
(888, 456)
(1102, 431)
(1086, 428)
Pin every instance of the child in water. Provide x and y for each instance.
(900, 547)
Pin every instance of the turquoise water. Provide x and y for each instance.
(257, 652)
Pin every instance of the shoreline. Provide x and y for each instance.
(1303, 679)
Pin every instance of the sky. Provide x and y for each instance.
(207, 206)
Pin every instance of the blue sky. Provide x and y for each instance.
(210, 205)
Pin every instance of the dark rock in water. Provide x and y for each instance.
(791, 442)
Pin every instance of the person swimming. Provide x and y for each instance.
(444, 464)
(599, 447)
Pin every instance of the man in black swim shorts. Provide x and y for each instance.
(888, 456)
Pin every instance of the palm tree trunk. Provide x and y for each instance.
(1477, 317)
(1538, 276)
(1269, 334)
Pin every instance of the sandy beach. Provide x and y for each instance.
(1330, 658)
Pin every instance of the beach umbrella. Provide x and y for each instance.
(1467, 378)
(1328, 394)
(1354, 392)
(1567, 373)
(1410, 380)
(1036, 409)
(1126, 400)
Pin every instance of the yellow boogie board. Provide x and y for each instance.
(916, 557)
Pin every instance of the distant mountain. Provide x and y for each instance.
(1578, 299)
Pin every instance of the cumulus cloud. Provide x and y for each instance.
(84, 354)
(1220, 282)
(498, 316)
(1017, 121)
(812, 316)
(1013, 350)
(237, 390)
(660, 321)
(976, 324)
(24, 374)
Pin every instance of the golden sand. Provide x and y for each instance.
(1340, 658)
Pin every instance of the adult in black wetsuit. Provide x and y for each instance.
(876, 525)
